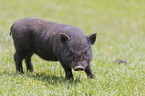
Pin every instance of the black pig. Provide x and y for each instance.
(52, 41)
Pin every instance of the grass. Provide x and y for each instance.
(120, 27)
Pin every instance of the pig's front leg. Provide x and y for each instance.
(68, 71)
(89, 72)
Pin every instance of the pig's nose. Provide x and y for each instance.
(79, 68)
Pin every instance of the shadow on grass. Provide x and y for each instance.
(46, 78)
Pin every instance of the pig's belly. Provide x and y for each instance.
(47, 56)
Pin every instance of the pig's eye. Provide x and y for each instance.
(69, 55)
(86, 54)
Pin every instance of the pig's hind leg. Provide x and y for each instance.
(19, 55)
(28, 62)
(18, 62)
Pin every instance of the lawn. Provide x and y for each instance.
(120, 25)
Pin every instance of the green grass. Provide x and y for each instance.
(121, 35)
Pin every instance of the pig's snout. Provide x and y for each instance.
(79, 67)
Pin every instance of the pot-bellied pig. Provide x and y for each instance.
(54, 42)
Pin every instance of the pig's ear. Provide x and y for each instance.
(92, 38)
(64, 38)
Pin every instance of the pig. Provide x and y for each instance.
(53, 42)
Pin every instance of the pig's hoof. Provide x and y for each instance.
(19, 72)
(30, 70)
(69, 78)
(92, 76)
(79, 68)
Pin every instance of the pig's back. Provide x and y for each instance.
(31, 25)
(30, 30)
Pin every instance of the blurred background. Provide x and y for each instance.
(117, 22)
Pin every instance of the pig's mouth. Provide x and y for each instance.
(79, 67)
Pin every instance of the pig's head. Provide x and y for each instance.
(76, 50)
